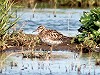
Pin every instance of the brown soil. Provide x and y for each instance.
(13, 46)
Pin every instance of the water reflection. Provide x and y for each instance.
(73, 64)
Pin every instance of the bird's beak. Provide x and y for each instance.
(35, 31)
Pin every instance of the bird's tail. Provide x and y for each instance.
(67, 39)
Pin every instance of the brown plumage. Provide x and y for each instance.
(51, 37)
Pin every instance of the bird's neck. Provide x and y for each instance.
(43, 31)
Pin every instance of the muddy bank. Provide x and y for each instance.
(32, 42)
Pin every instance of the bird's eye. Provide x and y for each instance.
(41, 27)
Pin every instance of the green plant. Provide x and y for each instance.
(90, 29)
(5, 19)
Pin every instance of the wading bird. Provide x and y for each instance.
(50, 37)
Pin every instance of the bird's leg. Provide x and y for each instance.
(51, 49)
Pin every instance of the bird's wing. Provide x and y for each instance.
(54, 35)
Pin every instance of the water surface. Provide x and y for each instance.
(66, 21)
(71, 64)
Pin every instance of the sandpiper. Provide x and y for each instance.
(50, 37)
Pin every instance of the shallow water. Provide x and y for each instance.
(66, 20)
(73, 64)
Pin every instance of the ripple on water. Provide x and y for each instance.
(70, 64)
(63, 19)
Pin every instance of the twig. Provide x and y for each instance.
(34, 8)
(13, 54)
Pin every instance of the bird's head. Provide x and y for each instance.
(40, 28)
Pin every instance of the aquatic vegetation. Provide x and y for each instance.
(80, 3)
(97, 62)
(66, 64)
(5, 21)
(90, 29)
(59, 3)
(9, 36)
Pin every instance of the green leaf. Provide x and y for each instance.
(99, 30)
(5, 17)
(90, 29)
(97, 23)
